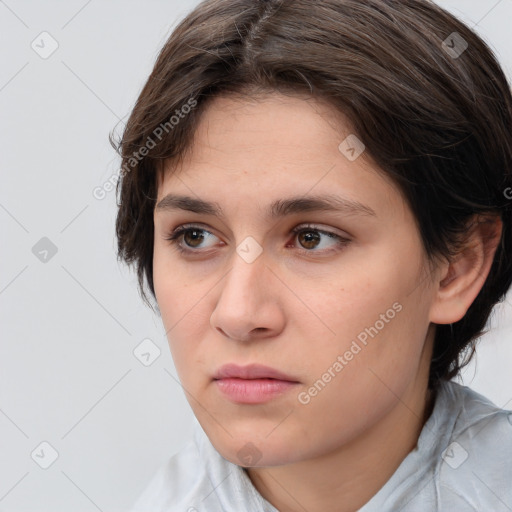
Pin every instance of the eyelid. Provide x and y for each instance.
(318, 227)
(191, 225)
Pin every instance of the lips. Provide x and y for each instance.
(250, 372)
(253, 384)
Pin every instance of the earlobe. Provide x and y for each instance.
(466, 273)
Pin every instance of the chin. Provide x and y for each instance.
(256, 450)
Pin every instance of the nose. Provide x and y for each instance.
(248, 305)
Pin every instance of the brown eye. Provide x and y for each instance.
(309, 239)
(193, 237)
(312, 240)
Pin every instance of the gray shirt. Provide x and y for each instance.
(462, 462)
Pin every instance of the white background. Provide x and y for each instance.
(68, 375)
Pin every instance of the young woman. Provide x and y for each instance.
(319, 197)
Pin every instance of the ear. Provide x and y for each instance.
(462, 278)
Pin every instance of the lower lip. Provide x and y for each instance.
(253, 391)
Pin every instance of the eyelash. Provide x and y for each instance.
(175, 235)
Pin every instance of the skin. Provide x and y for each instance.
(298, 311)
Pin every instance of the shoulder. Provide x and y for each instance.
(199, 479)
(475, 466)
(175, 484)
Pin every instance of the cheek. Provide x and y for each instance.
(180, 312)
(371, 319)
(355, 384)
(177, 291)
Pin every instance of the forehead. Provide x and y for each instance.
(298, 121)
(273, 145)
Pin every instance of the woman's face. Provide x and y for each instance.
(336, 298)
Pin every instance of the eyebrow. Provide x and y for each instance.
(279, 208)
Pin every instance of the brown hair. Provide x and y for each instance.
(435, 116)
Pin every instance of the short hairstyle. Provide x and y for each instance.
(422, 90)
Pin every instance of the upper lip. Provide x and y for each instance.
(252, 371)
